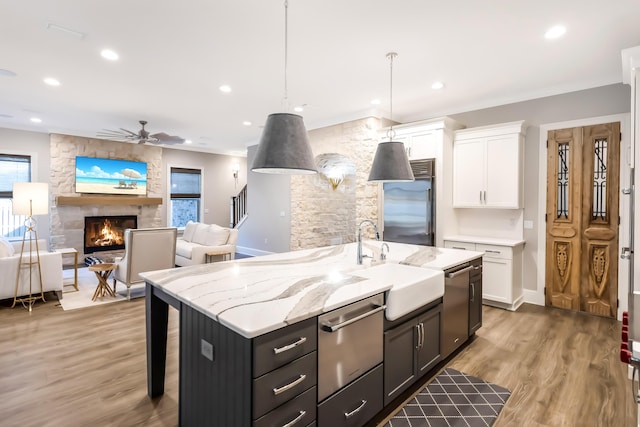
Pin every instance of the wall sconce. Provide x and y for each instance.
(235, 168)
(334, 168)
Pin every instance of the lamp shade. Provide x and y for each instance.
(284, 147)
(30, 198)
(391, 163)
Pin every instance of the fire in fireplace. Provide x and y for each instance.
(106, 233)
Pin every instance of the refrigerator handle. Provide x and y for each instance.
(428, 216)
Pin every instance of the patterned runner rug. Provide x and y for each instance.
(453, 399)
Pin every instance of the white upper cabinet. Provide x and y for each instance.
(422, 140)
(487, 166)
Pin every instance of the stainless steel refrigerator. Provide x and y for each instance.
(409, 207)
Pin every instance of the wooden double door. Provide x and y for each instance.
(582, 218)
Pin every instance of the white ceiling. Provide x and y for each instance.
(175, 54)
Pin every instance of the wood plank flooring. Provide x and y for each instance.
(88, 367)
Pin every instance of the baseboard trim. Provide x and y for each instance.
(533, 297)
(252, 251)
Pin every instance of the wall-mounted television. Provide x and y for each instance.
(110, 176)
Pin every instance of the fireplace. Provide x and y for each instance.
(106, 233)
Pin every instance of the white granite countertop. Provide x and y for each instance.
(486, 240)
(253, 296)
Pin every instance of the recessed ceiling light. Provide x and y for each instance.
(298, 109)
(225, 88)
(7, 73)
(437, 85)
(375, 102)
(247, 123)
(36, 120)
(555, 32)
(187, 141)
(51, 81)
(109, 54)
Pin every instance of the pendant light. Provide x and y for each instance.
(284, 146)
(391, 162)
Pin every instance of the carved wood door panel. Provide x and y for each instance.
(582, 219)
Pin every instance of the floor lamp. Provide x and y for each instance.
(30, 198)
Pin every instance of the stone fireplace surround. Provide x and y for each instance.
(67, 221)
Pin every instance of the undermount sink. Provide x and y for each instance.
(412, 287)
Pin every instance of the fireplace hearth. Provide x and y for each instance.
(106, 233)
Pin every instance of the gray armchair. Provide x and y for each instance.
(146, 249)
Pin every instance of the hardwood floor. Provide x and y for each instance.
(88, 367)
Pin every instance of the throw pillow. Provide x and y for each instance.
(217, 236)
(6, 248)
(200, 235)
(189, 230)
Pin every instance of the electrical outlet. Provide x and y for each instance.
(266, 240)
(528, 224)
(206, 348)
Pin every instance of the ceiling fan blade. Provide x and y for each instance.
(128, 132)
(164, 138)
(110, 132)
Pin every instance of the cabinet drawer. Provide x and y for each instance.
(280, 347)
(495, 251)
(355, 404)
(300, 411)
(276, 387)
(452, 244)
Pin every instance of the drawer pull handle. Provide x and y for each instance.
(332, 328)
(279, 350)
(491, 251)
(348, 415)
(458, 247)
(298, 418)
(277, 391)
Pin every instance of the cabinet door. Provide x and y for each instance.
(429, 351)
(399, 359)
(496, 280)
(422, 146)
(503, 172)
(468, 173)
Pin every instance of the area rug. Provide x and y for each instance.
(453, 399)
(87, 283)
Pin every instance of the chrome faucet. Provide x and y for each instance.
(383, 254)
(360, 256)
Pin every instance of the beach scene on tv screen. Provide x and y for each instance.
(110, 176)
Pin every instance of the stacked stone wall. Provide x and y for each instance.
(67, 222)
(322, 216)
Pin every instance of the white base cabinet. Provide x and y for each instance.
(501, 272)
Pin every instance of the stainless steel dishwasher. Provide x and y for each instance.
(455, 308)
(350, 342)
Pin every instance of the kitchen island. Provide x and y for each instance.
(230, 312)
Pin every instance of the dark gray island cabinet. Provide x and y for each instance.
(301, 338)
(227, 379)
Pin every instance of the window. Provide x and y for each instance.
(13, 168)
(185, 196)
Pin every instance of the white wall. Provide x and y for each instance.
(267, 228)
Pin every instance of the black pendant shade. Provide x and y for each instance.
(284, 147)
(391, 163)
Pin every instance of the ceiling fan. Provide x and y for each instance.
(141, 137)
